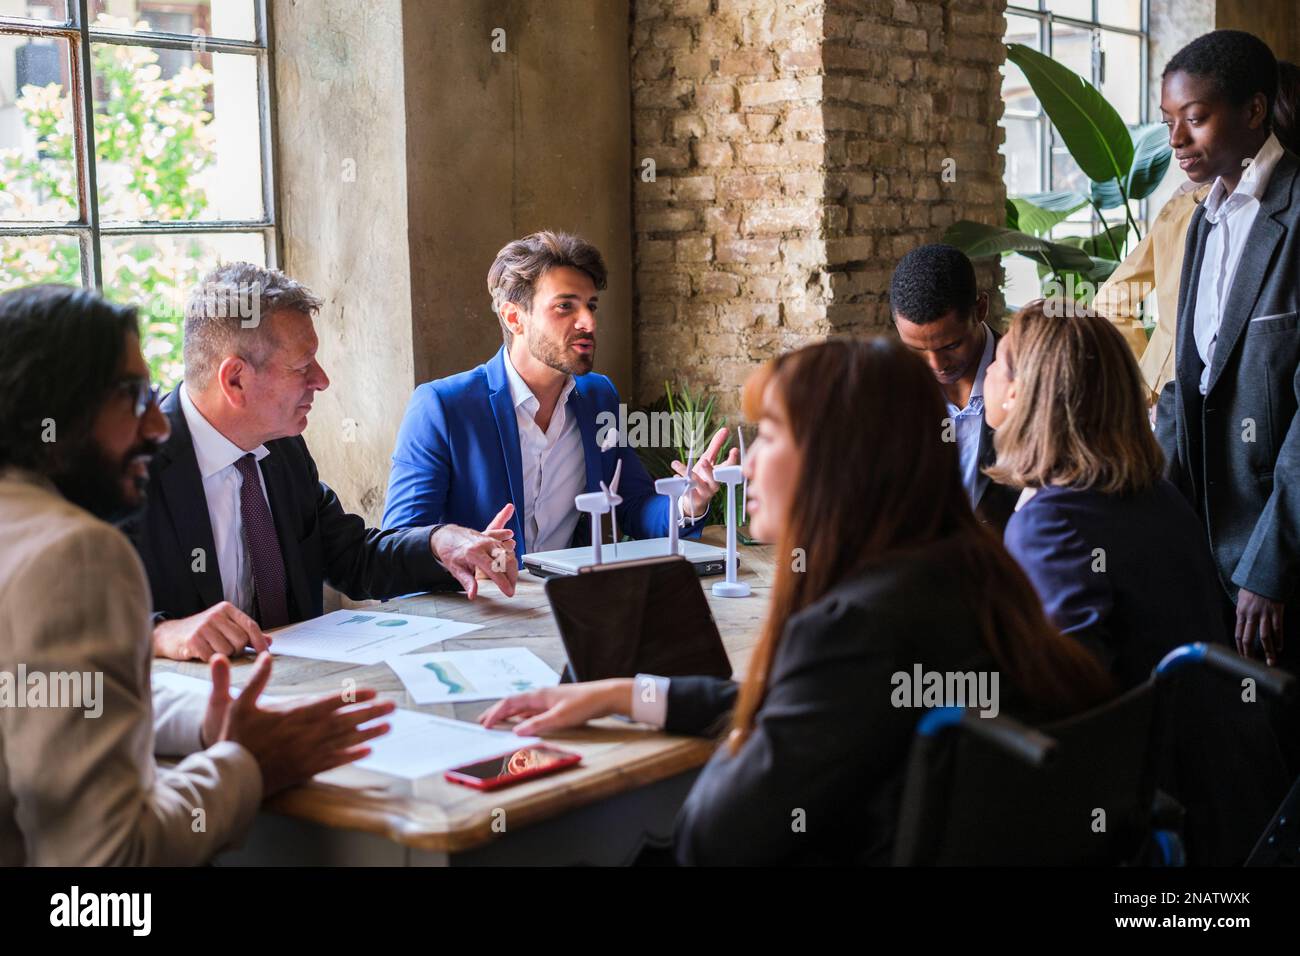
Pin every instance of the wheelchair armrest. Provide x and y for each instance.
(1029, 745)
(1277, 682)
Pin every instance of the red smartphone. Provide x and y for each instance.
(514, 767)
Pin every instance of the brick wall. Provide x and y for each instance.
(912, 92)
(798, 150)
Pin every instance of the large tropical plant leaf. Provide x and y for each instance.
(978, 239)
(1058, 200)
(1036, 220)
(1151, 155)
(1092, 130)
(1099, 246)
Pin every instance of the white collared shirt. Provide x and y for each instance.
(216, 455)
(1230, 216)
(968, 423)
(553, 463)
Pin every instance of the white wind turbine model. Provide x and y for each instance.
(732, 475)
(597, 503)
(613, 500)
(674, 487)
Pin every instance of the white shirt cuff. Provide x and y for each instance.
(683, 506)
(650, 700)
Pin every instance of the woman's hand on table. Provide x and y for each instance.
(563, 706)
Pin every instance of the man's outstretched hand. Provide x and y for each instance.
(467, 553)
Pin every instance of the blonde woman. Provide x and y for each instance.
(1120, 559)
(1113, 549)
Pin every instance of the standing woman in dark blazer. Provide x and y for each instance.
(882, 567)
(1113, 549)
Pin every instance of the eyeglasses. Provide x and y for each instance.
(142, 393)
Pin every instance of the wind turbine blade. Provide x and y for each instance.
(618, 473)
(744, 485)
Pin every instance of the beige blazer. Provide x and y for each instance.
(1155, 263)
(84, 790)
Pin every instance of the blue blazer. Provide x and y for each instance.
(457, 458)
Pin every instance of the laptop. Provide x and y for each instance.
(704, 558)
(643, 617)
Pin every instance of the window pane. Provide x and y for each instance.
(1022, 285)
(38, 169)
(1079, 9)
(1122, 82)
(228, 19)
(1066, 173)
(25, 260)
(157, 273)
(1015, 88)
(1072, 47)
(1021, 173)
(56, 10)
(1120, 13)
(184, 147)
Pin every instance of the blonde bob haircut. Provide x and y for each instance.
(1080, 415)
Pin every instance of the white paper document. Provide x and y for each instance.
(416, 744)
(364, 637)
(420, 744)
(448, 677)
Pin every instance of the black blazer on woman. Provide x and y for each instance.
(820, 778)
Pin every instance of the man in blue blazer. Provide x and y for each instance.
(522, 428)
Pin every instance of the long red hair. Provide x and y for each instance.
(879, 478)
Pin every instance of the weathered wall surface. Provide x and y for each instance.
(455, 150)
(342, 191)
(502, 144)
(913, 100)
(800, 148)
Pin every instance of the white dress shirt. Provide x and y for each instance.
(650, 700)
(554, 466)
(1230, 216)
(216, 456)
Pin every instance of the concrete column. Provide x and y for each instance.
(409, 152)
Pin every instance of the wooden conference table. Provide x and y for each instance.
(623, 796)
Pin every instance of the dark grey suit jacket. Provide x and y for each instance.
(319, 541)
(1235, 452)
(828, 741)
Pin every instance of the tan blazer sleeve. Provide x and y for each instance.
(1119, 297)
(86, 789)
(177, 722)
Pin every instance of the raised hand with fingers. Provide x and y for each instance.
(696, 501)
(467, 554)
(292, 740)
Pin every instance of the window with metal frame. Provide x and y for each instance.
(136, 150)
(1107, 43)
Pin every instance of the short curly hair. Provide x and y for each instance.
(1239, 64)
(931, 281)
(63, 349)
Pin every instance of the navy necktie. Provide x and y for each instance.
(263, 547)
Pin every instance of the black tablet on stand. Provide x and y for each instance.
(637, 617)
